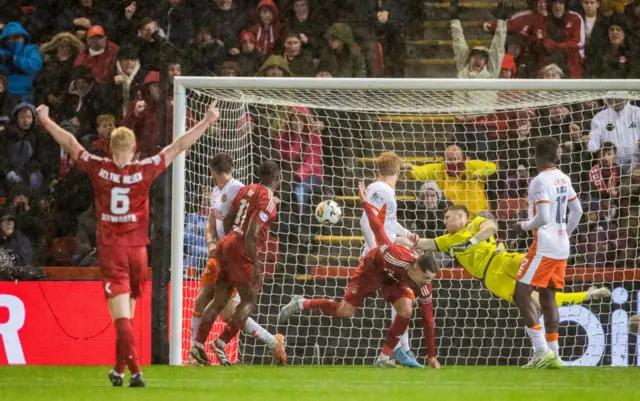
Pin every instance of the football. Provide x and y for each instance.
(328, 212)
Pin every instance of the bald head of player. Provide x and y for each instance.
(122, 145)
(456, 218)
(546, 153)
(270, 174)
(221, 166)
(388, 166)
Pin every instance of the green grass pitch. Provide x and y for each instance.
(323, 383)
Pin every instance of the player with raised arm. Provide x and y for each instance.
(247, 223)
(121, 190)
(388, 267)
(225, 191)
(382, 197)
(543, 269)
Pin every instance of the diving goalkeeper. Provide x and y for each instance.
(474, 247)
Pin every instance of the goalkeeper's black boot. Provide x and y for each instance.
(116, 379)
(137, 381)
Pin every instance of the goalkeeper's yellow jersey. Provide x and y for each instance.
(475, 259)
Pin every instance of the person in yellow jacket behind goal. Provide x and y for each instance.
(472, 243)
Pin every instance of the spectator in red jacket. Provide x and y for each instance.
(300, 145)
(250, 58)
(522, 22)
(141, 117)
(559, 39)
(268, 28)
(99, 55)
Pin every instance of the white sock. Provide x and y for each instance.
(404, 340)
(301, 303)
(254, 329)
(553, 346)
(537, 339)
(383, 357)
(195, 322)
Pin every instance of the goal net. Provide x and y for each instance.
(462, 142)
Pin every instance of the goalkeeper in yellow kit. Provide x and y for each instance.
(473, 245)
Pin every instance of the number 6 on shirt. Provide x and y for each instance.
(119, 200)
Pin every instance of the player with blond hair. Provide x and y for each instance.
(121, 190)
(382, 198)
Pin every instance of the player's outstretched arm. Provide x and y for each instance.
(65, 139)
(486, 230)
(185, 141)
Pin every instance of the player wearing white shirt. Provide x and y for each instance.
(225, 190)
(619, 124)
(543, 268)
(382, 195)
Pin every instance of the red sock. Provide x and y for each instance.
(328, 307)
(396, 330)
(230, 331)
(120, 365)
(204, 328)
(124, 333)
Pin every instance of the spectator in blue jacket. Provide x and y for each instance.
(20, 61)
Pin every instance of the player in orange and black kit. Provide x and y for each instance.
(121, 189)
(247, 223)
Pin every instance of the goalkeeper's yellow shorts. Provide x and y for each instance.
(500, 277)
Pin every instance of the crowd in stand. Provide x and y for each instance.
(99, 64)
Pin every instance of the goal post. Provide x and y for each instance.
(353, 121)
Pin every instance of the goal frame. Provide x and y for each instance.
(182, 84)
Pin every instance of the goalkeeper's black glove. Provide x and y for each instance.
(454, 9)
(502, 12)
(463, 246)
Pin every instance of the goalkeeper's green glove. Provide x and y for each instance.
(463, 246)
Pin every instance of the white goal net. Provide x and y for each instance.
(461, 142)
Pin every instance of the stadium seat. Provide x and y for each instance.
(62, 250)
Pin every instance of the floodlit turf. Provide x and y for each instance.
(323, 383)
